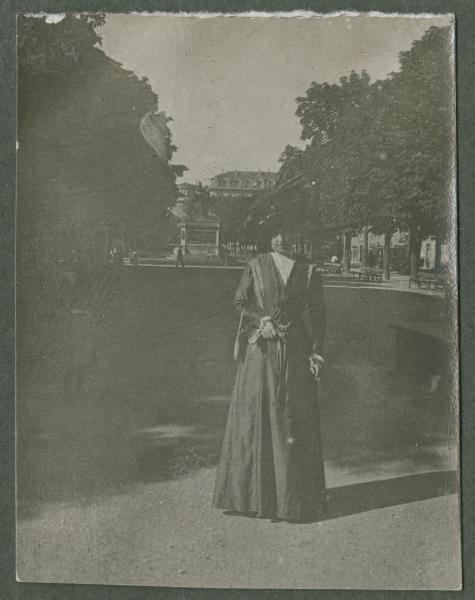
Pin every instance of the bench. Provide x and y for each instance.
(425, 282)
(367, 274)
(333, 268)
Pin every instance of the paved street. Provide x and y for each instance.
(115, 486)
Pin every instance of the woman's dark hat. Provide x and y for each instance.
(274, 223)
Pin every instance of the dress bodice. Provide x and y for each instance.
(262, 292)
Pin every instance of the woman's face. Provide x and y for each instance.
(281, 242)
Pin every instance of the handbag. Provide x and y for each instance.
(238, 345)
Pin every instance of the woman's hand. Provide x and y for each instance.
(316, 363)
(268, 330)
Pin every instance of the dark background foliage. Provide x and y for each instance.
(86, 176)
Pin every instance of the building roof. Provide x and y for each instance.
(210, 220)
(187, 186)
(248, 174)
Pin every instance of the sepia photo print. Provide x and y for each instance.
(236, 284)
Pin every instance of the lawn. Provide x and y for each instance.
(158, 393)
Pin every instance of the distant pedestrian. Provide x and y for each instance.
(117, 259)
(179, 258)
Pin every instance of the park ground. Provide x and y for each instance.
(114, 486)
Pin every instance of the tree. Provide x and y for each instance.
(421, 125)
(232, 213)
(332, 188)
(381, 154)
(322, 108)
(86, 175)
(410, 149)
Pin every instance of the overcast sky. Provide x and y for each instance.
(230, 83)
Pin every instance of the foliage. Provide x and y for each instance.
(232, 213)
(324, 106)
(86, 175)
(418, 124)
(55, 49)
(380, 153)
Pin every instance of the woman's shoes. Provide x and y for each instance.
(320, 515)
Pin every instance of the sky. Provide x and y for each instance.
(230, 83)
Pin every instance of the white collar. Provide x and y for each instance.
(284, 265)
(283, 258)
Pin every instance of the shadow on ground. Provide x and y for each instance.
(363, 497)
(157, 398)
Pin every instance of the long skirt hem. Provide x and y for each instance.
(271, 461)
(309, 517)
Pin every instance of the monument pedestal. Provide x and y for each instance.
(200, 238)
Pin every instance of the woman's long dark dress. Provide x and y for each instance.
(271, 461)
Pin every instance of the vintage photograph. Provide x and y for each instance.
(236, 284)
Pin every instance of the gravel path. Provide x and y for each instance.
(115, 486)
(168, 535)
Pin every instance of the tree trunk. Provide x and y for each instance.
(364, 255)
(415, 243)
(387, 254)
(346, 262)
(301, 246)
(315, 243)
(438, 254)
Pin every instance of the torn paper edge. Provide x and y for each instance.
(299, 14)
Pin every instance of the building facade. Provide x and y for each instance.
(399, 251)
(242, 183)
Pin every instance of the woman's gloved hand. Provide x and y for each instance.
(316, 364)
(267, 328)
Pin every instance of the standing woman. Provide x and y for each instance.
(271, 462)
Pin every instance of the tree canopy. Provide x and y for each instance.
(380, 153)
(86, 175)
